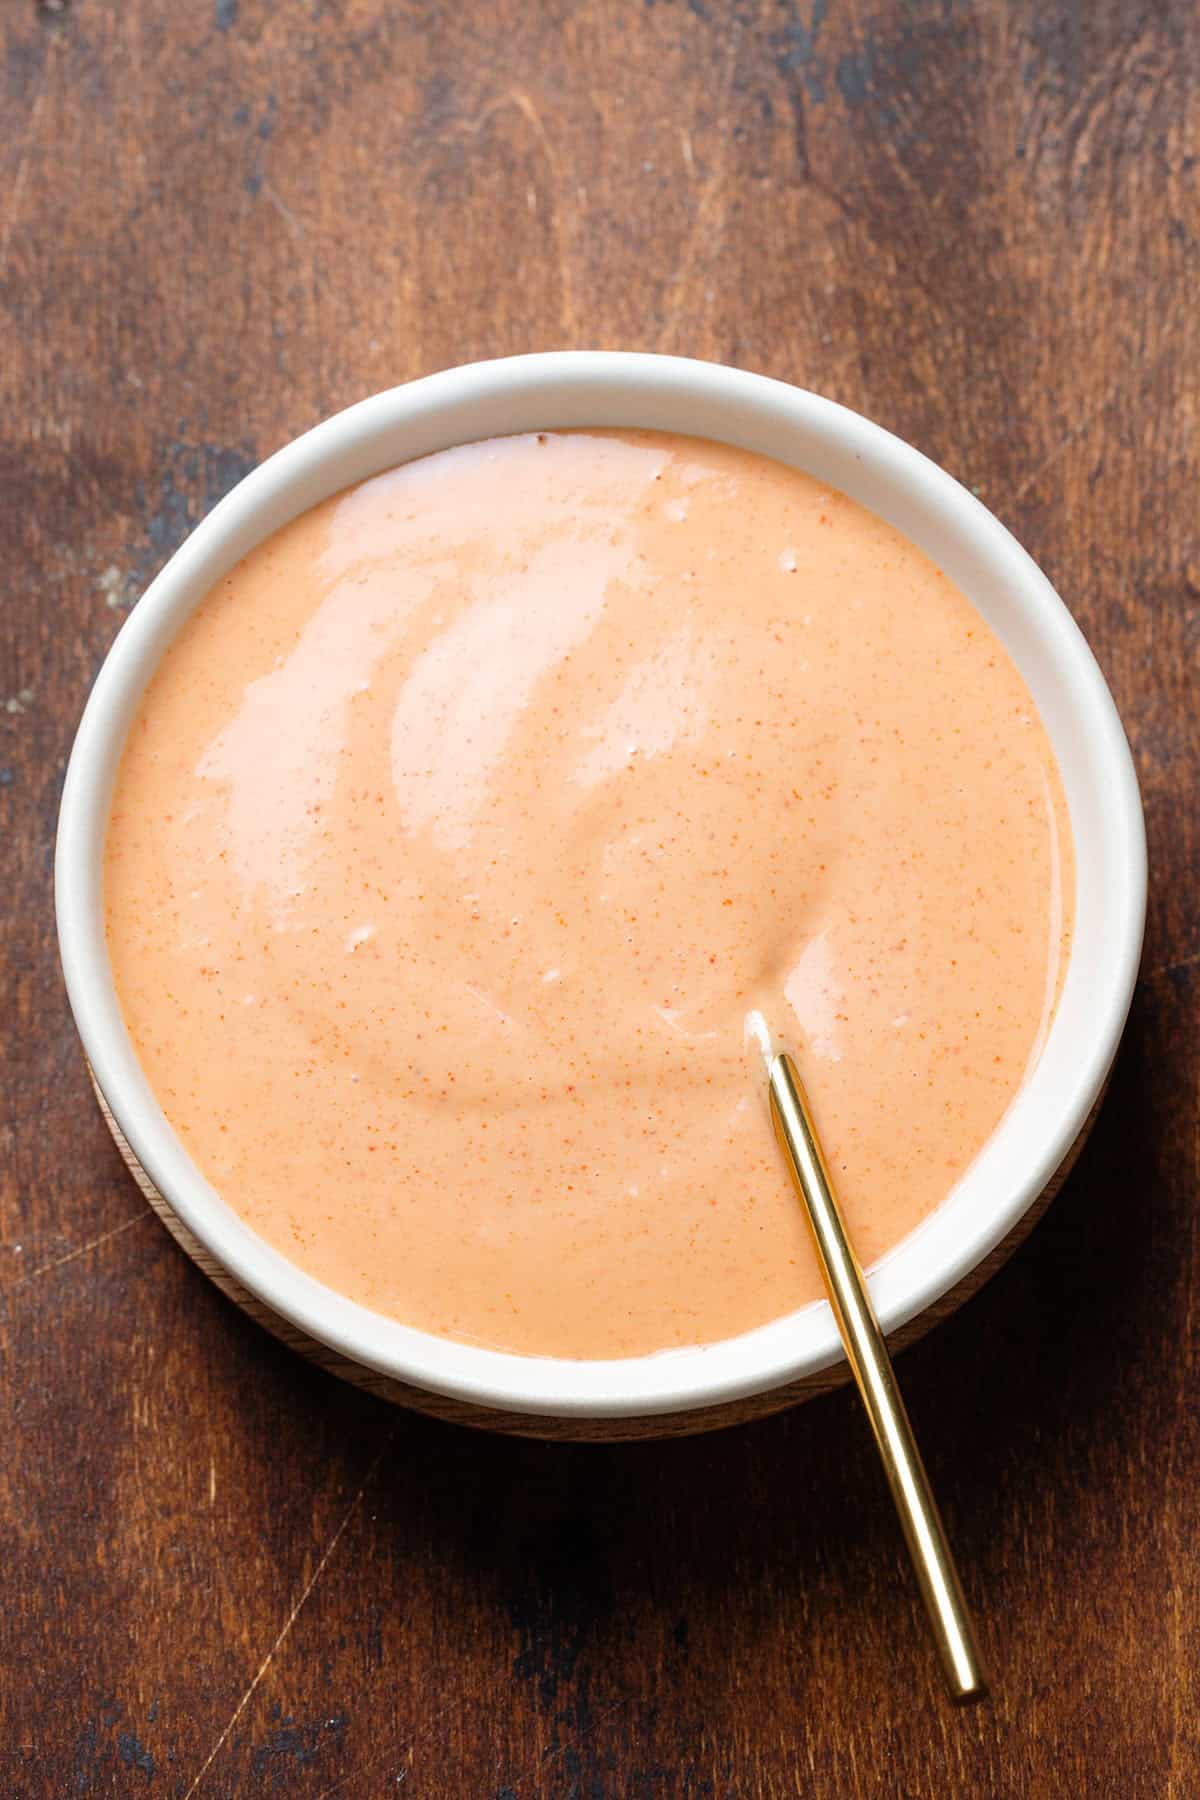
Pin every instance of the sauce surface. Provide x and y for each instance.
(469, 818)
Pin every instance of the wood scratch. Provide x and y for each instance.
(603, 1712)
(389, 1749)
(1174, 968)
(17, 190)
(533, 118)
(373, 1763)
(524, 103)
(71, 1256)
(360, 1769)
(393, 1744)
(709, 216)
(309, 1585)
(1068, 438)
(285, 212)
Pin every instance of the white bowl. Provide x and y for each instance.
(661, 393)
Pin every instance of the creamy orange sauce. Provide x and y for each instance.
(466, 822)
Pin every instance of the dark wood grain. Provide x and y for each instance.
(227, 1573)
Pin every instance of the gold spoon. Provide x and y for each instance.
(872, 1367)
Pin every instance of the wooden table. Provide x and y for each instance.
(226, 1574)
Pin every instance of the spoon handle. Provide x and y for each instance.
(873, 1372)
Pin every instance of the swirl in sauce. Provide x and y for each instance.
(468, 820)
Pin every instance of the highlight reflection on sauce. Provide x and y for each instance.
(471, 817)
